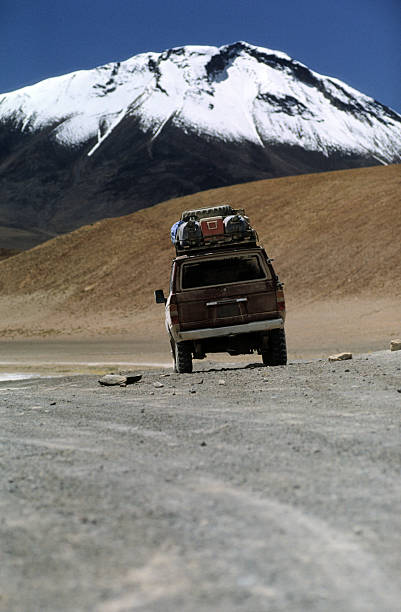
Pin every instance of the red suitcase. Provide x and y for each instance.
(212, 226)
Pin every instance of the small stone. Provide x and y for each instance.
(395, 345)
(192, 390)
(158, 384)
(398, 390)
(222, 381)
(203, 443)
(52, 403)
(340, 357)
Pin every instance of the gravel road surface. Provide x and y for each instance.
(242, 488)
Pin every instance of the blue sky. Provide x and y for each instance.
(357, 41)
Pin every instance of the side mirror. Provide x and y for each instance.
(159, 296)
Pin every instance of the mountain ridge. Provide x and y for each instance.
(126, 135)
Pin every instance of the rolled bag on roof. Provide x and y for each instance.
(185, 231)
(235, 224)
(174, 231)
(189, 231)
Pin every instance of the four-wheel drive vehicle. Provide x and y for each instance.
(228, 299)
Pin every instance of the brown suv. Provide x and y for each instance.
(226, 300)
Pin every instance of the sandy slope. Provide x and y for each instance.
(334, 237)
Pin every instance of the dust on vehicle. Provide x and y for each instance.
(224, 293)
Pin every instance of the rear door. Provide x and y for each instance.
(217, 291)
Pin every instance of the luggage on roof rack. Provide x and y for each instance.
(214, 211)
(215, 227)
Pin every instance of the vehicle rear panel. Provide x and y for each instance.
(228, 304)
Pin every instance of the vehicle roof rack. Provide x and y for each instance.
(249, 241)
(222, 210)
(208, 229)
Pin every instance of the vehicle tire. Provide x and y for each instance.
(276, 353)
(182, 358)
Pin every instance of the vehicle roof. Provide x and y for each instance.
(217, 253)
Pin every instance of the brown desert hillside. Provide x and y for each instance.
(335, 237)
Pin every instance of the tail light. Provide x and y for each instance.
(173, 311)
(280, 299)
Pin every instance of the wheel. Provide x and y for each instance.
(276, 352)
(182, 358)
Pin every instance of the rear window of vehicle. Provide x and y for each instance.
(236, 269)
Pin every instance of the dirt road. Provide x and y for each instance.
(248, 489)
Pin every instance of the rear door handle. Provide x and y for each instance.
(233, 301)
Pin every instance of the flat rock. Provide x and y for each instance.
(340, 357)
(128, 378)
(133, 378)
(395, 345)
(113, 379)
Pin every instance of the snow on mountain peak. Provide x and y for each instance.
(238, 92)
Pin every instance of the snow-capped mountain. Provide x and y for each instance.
(125, 135)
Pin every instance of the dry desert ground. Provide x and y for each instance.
(335, 238)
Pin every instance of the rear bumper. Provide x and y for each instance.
(230, 330)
